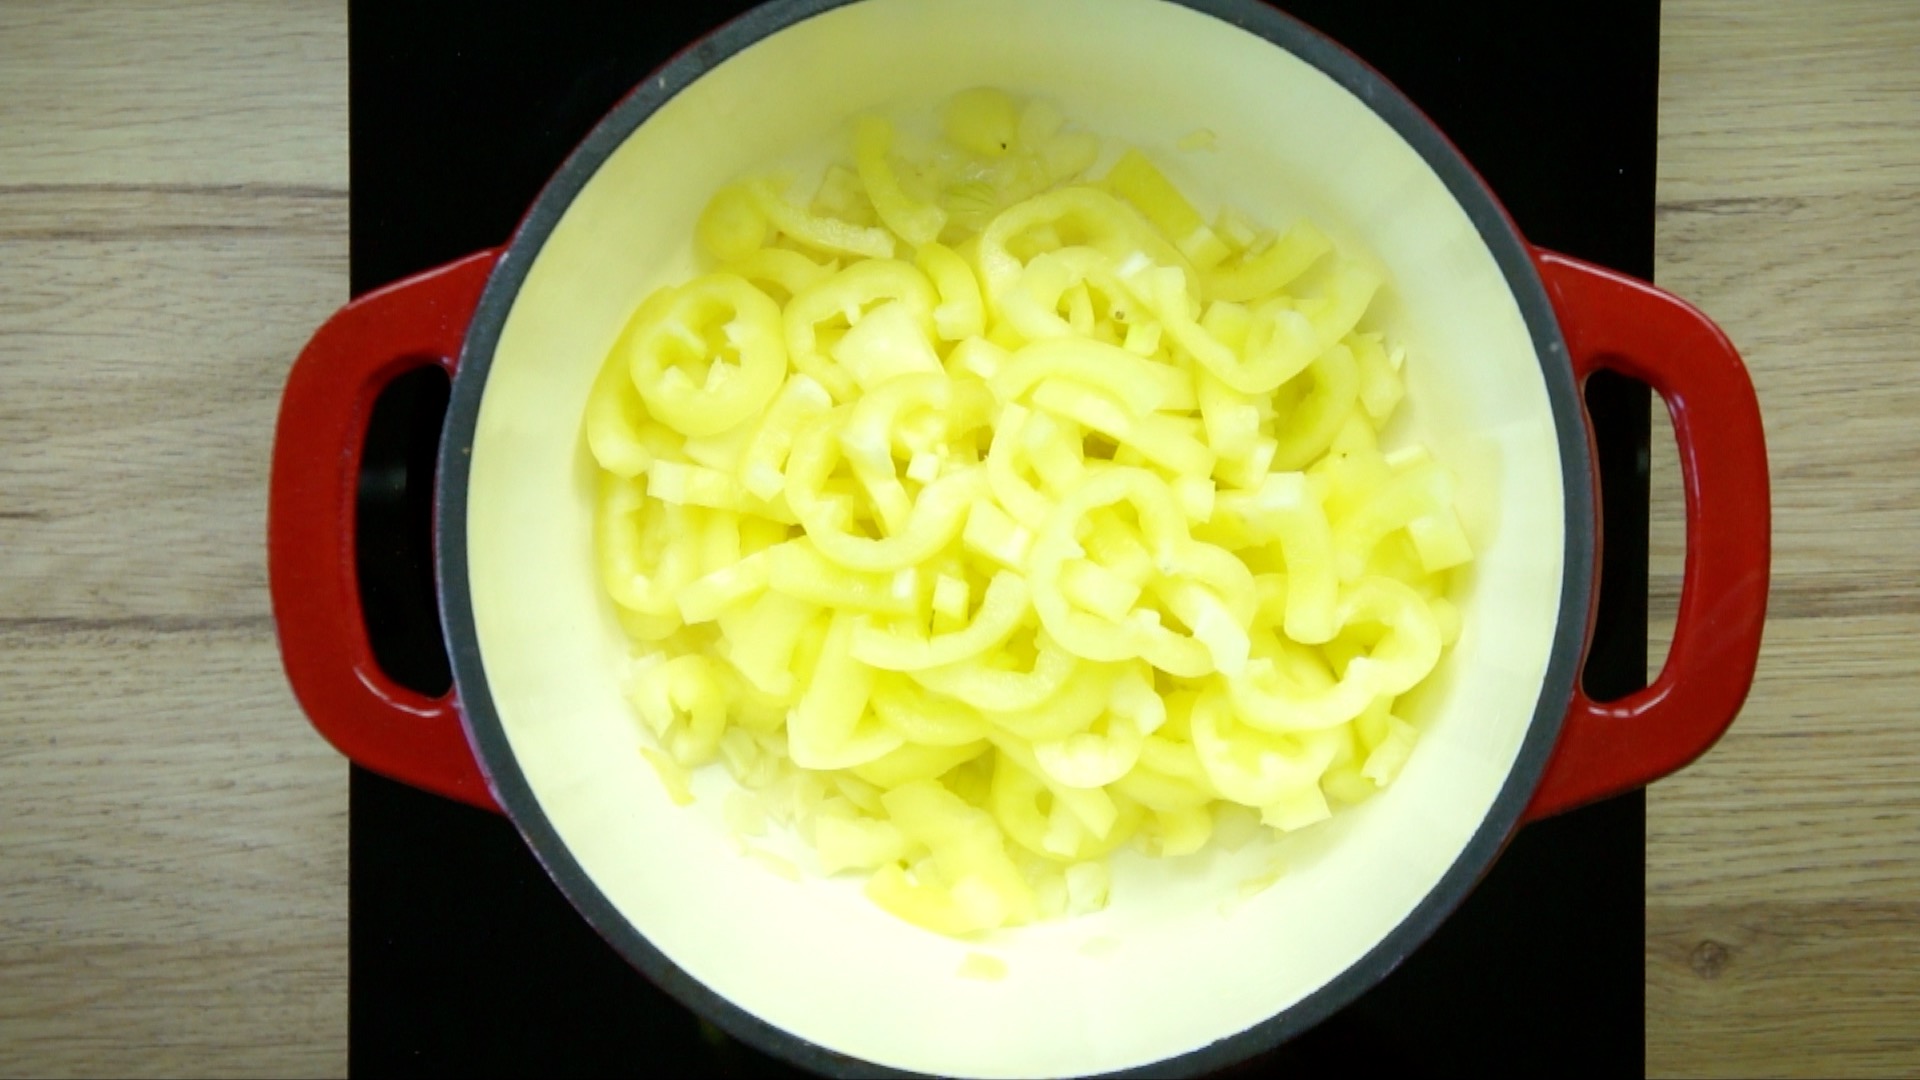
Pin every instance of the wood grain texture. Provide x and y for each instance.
(172, 834)
(173, 837)
(1783, 873)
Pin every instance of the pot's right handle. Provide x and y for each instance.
(1616, 323)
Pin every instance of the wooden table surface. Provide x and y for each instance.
(173, 224)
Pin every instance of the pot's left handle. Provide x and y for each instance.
(311, 567)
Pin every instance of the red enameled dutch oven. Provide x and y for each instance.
(1172, 977)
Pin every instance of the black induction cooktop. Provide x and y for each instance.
(465, 959)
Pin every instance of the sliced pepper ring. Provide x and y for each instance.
(667, 338)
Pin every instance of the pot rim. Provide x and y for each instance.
(481, 719)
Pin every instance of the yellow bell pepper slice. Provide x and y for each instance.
(1255, 276)
(924, 717)
(846, 296)
(1254, 767)
(1138, 385)
(1308, 428)
(829, 235)
(961, 313)
(1077, 216)
(1002, 609)
(995, 689)
(915, 222)
(788, 271)
(832, 727)
(1136, 180)
(697, 327)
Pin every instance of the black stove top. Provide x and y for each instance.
(465, 959)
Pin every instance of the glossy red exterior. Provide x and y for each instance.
(311, 570)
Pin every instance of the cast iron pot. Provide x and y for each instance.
(1182, 973)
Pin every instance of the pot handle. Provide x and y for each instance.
(311, 571)
(1616, 323)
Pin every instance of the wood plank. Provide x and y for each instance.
(173, 840)
(1782, 873)
(212, 92)
(1763, 101)
(143, 379)
(174, 856)
(1784, 989)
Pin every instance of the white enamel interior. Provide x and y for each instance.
(1178, 961)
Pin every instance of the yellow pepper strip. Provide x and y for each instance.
(1025, 503)
(732, 226)
(1084, 823)
(917, 761)
(1176, 554)
(1342, 293)
(1054, 449)
(954, 407)
(927, 906)
(842, 196)
(976, 357)
(640, 564)
(1266, 700)
(1083, 696)
(981, 120)
(1440, 540)
(961, 313)
(846, 296)
(1180, 832)
(935, 520)
(1093, 587)
(923, 717)
(962, 842)
(616, 420)
(760, 639)
(798, 569)
(915, 222)
(1169, 775)
(1015, 799)
(1002, 608)
(1251, 277)
(1423, 491)
(859, 843)
(681, 701)
(697, 697)
(703, 599)
(1078, 216)
(1140, 386)
(762, 467)
(1309, 428)
(1094, 757)
(1253, 767)
(832, 727)
(1232, 419)
(1071, 275)
(695, 485)
(1279, 341)
(889, 341)
(786, 270)
(830, 235)
(1410, 649)
(1285, 510)
(1166, 441)
(993, 534)
(1002, 691)
(695, 326)
(1212, 623)
(1381, 387)
(1136, 180)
